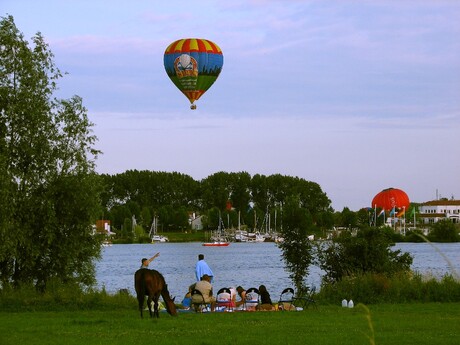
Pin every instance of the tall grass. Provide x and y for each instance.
(374, 288)
(59, 296)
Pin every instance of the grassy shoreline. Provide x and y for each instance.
(430, 323)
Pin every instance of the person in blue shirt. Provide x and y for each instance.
(202, 268)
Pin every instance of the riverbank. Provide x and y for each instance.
(173, 237)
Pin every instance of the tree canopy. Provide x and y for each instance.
(367, 252)
(49, 190)
(236, 195)
(296, 247)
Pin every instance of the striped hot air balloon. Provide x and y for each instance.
(193, 65)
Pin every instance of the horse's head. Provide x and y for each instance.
(171, 307)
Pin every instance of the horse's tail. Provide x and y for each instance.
(139, 285)
(169, 303)
(139, 281)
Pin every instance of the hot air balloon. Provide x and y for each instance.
(193, 65)
(391, 199)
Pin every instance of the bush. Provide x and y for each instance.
(63, 297)
(371, 288)
(367, 252)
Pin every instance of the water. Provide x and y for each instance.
(245, 264)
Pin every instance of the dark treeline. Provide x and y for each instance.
(173, 196)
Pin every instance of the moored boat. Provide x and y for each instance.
(216, 244)
(218, 239)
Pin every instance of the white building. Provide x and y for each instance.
(195, 221)
(433, 211)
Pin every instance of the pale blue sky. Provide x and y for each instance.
(357, 96)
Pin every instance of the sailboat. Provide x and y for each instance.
(153, 232)
(218, 239)
(255, 236)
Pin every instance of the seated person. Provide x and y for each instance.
(265, 300)
(242, 296)
(205, 287)
(226, 299)
(252, 300)
(187, 301)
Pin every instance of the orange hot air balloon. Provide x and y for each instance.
(193, 65)
(391, 198)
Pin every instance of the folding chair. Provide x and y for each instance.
(224, 299)
(305, 301)
(310, 298)
(198, 302)
(286, 299)
(252, 299)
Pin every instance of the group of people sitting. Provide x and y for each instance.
(228, 298)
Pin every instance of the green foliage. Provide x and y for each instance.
(402, 287)
(444, 231)
(367, 252)
(48, 185)
(414, 236)
(171, 196)
(59, 296)
(296, 247)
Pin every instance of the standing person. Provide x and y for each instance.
(145, 261)
(202, 268)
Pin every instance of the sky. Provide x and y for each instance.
(357, 96)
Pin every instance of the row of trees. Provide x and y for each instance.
(238, 197)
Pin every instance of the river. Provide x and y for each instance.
(245, 264)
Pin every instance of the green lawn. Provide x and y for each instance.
(400, 324)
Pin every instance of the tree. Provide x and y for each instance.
(47, 162)
(444, 231)
(367, 252)
(296, 247)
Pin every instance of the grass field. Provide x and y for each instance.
(431, 323)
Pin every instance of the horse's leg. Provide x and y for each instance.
(149, 303)
(140, 300)
(155, 300)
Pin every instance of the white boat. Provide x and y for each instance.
(159, 238)
(216, 244)
(153, 232)
(218, 238)
(255, 237)
(241, 236)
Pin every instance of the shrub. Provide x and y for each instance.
(371, 288)
(63, 297)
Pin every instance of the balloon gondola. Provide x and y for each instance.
(193, 65)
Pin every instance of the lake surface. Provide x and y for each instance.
(245, 264)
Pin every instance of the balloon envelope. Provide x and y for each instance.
(193, 65)
(391, 198)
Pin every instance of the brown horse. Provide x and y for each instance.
(151, 283)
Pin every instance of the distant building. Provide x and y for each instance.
(103, 227)
(195, 221)
(433, 211)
